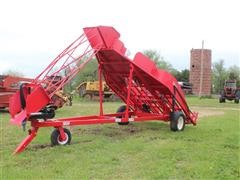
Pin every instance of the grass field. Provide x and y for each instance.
(146, 150)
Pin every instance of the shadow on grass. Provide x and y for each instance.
(39, 146)
(119, 131)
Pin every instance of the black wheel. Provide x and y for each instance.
(220, 100)
(122, 109)
(88, 97)
(177, 121)
(55, 137)
(236, 100)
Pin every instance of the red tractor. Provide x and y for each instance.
(230, 92)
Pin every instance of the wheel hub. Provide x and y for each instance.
(180, 123)
(62, 142)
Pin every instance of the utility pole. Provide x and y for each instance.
(201, 70)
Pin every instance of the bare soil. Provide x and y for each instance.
(207, 111)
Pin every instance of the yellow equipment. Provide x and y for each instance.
(90, 89)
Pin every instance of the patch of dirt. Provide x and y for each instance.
(231, 146)
(205, 112)
(130, 129)
(80, 131)
(108, 131)
(122, 131)
(156, 138)
(40, 146)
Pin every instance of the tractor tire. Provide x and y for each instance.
(88, 97)
(222, 100)
(122, 109)
(55, 137)
(177, 121)
(236, 100)
(237, 96)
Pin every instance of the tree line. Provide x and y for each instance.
(89, 73)
(219, 72)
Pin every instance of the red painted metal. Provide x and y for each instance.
(100, 89)
(66, 65)
(27, 140)
(8, 87)
(149, 93)
(62, 133)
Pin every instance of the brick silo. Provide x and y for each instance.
(201, 59)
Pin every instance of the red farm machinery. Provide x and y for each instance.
(148, 92)
(9, 85)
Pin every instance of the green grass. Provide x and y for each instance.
(207, 102)
(146, 150)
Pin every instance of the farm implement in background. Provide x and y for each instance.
(90, 89)
(9, 85)
(148, 92)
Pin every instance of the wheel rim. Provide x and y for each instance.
(62, 142)
(180, 123)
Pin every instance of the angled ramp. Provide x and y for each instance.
(153, 90)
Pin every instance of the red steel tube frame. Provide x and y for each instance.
(83, 120)
(87, 120)
(160, 99)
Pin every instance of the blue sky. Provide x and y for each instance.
(33, 33)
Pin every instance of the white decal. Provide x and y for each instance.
(66, 123)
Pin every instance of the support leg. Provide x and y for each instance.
(100, 89)
(129, 91)
(62, 134)
(174, 98)
(21, 147)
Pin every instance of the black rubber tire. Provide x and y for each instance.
(88, 97)
(236, 100)
(55, 137)
(220, 100)
(122, 109)
(175, 119)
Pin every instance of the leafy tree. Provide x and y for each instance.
(183, 75)
(234, 73)
(159, 61)
(88, 73)
(219, 76)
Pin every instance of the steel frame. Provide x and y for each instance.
(149, 93)
(87, 120)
